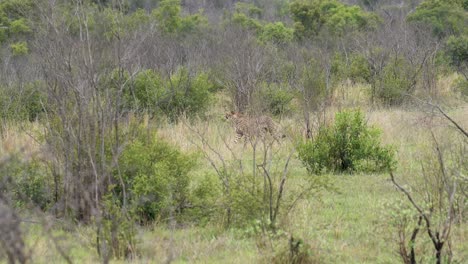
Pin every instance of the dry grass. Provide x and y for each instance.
(348, 226)
(19, 139)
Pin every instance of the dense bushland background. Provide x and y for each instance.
(115, 148)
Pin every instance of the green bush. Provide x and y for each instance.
(314, 83)
(186, 94)
(277, 33)
(348, 145)
(276, 100)
(395, 82)
(462, 87)
(170, 21)
(356, 68)
(28, 183)
(180, 94)
(22, 104)
(19, 48)
(148, 90)
(204, 200)
(116, 232)
(156, 176)
(312, 16)
(443, 17)
(151, 93)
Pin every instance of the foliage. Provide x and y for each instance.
(312, 16)
(148, 89)
(204, 199)
(395, 82)
(19, 48)
(277, 33)
(116, 233)
(156, 177)
(117, 25)
(179, 94)
(246, 22)
(348, 145)
(443, 17)
(28, 183)
(462, 87)
(249, 9)
(277, 100)
(248, 16)
(13, 18)
(186, 94)
(457, 50)
(356, 68)
(22, 104)
(341, 18)
(296, 251)
(170, 20)
(313, 82)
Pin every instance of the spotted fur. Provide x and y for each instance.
(252, 127)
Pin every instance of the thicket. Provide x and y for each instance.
(89, 71)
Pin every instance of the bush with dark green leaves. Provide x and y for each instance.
(26, 182)
(444, 17)
(312, 16)
(116, 232)
(186, 94)
(276, 33)
(355, 68)
(457, 51)
(462, 86)
(395, 83)
(181, 93)
(21, 104)
(156, 177)
(277, 100)
(349, 145)
(170, 21)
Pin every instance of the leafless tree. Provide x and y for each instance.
(435, 200)
(242, 64)
(396, 44)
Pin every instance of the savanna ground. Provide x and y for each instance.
(349, 223)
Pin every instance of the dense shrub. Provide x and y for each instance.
(179, 94)
(170, 21)
(457, 52)
(348, 145)
(355, 68)
(314, 82)
(276, 100)
(147, 91)
(277, 33)
(462, 87)
(205, 201)
(443, 17)
(186, 94)
(395, 82)
(116, 232)
(20, 104)
(311, 17)
(27, 183)
(156, 177)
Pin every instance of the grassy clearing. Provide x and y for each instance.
(345, 227)
(349, 225)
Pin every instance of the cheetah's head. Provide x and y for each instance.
(232, 115)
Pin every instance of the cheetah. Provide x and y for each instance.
(251, 127)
